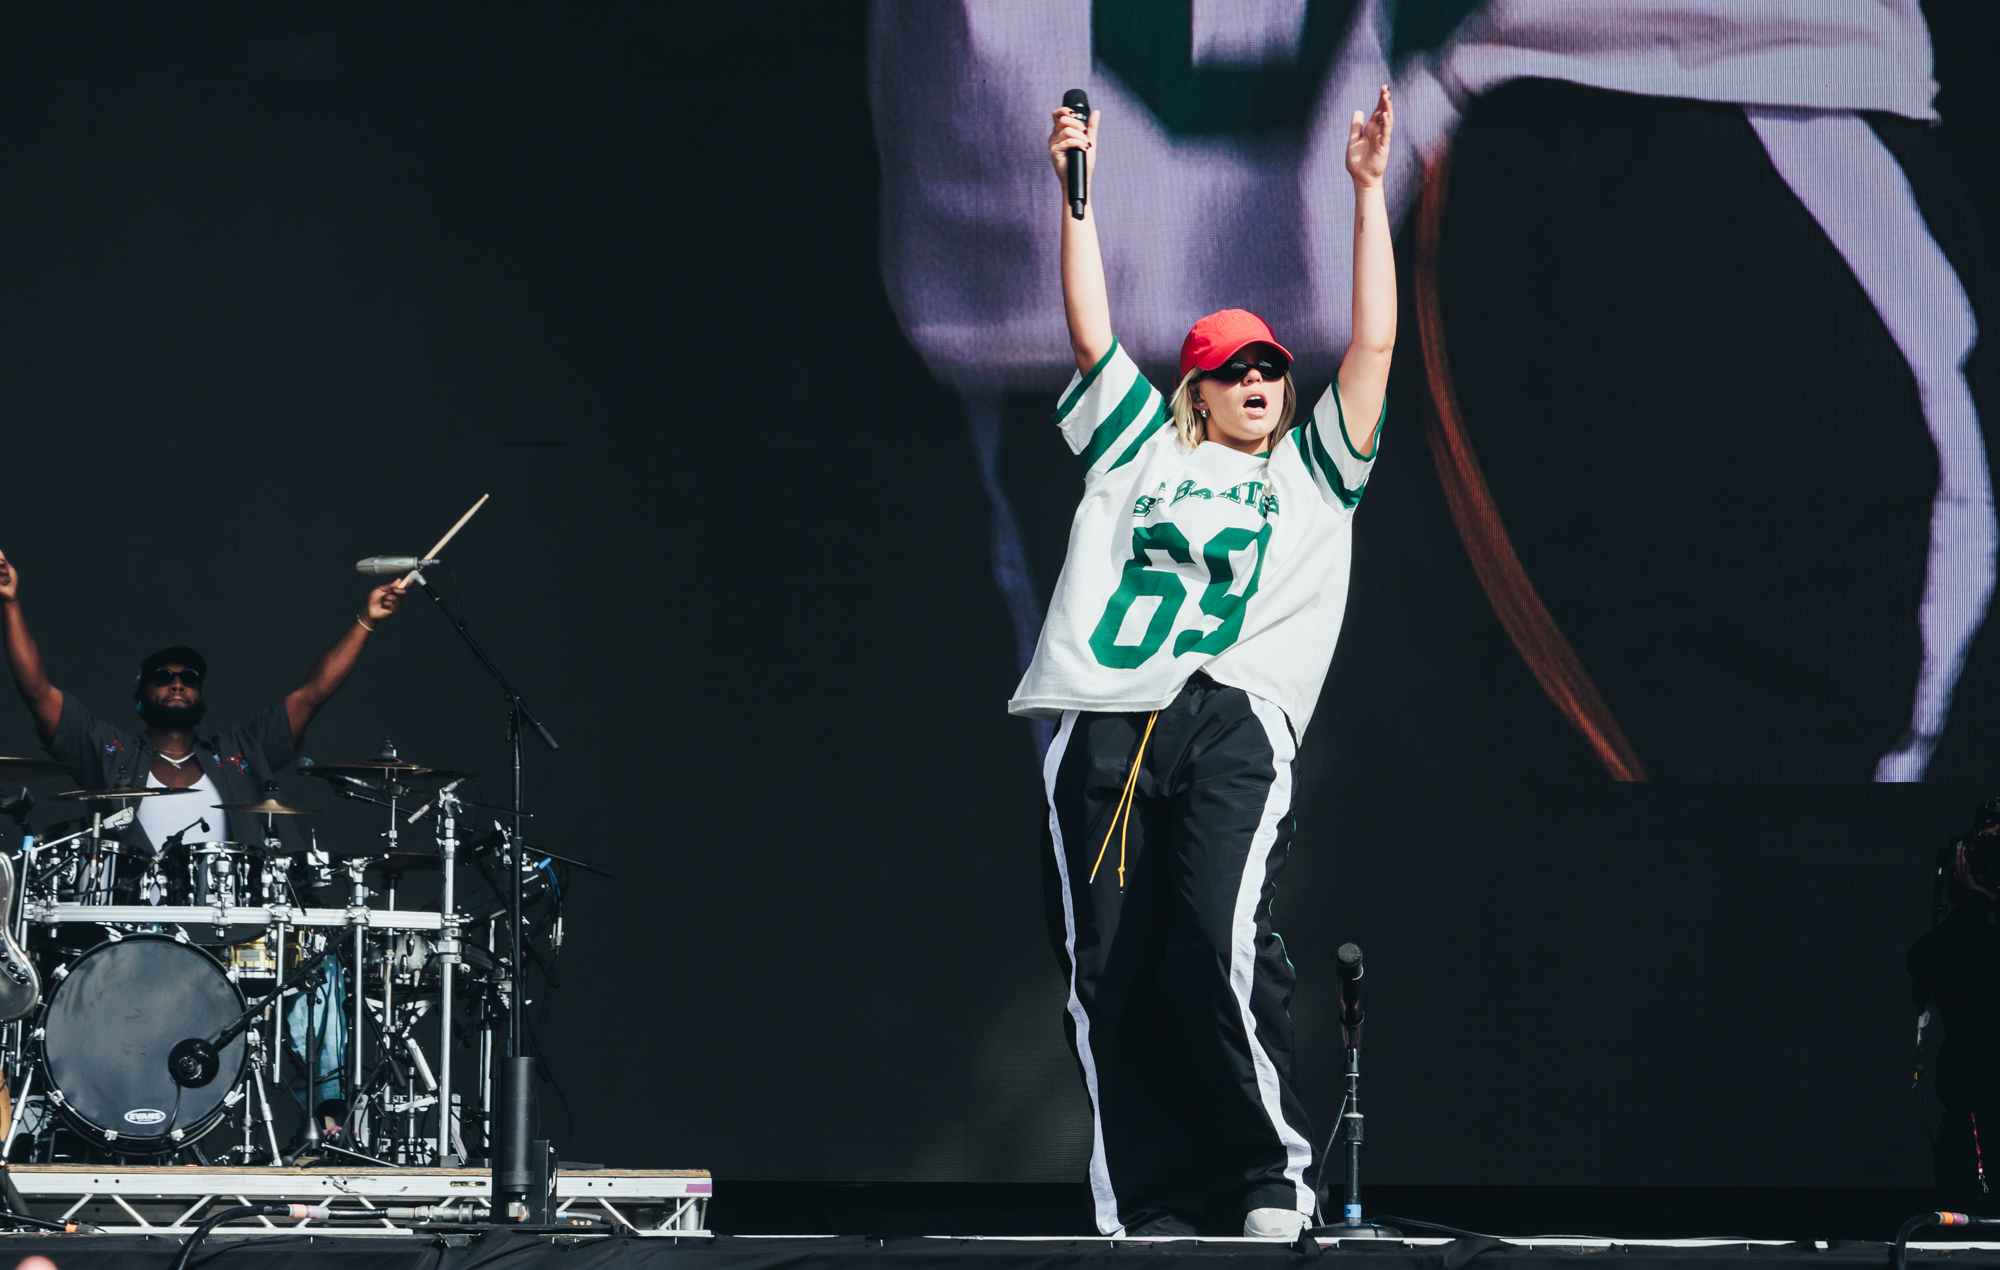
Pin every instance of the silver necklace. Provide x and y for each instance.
(171, 759)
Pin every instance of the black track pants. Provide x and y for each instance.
(1179, 989)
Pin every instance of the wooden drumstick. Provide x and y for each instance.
(404, 585)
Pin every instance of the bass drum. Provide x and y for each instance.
(106, 1031)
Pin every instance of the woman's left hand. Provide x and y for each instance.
(1368, 142)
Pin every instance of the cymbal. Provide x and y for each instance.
(385, 770)
(27, 769)
(270, 807)
(394, 861)
(117, 793)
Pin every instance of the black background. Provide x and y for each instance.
(280, 290)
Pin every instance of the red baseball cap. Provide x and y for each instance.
(1219, 336)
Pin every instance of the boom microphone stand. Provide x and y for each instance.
(514, 1118)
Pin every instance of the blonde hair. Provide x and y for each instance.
(1193, 430)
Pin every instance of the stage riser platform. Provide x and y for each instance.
(517, 1251)
(135, 1199)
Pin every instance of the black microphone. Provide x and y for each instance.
(1348, 971)
(1077, 103)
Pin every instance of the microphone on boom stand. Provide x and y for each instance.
(382, 566)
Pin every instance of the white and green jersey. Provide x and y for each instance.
(1213, 560)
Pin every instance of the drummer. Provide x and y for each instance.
(231, 766)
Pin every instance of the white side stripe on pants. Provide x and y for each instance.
(1100, 1170)
(1243, 940)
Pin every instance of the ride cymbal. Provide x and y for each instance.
(381, 771)
(117, 793)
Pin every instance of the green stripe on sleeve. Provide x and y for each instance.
(1154, 424)
(1083, 385)
(1344, 440)
(1111, 429)
(1324, 461)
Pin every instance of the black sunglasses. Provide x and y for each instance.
(161, 676)
(1233, 371)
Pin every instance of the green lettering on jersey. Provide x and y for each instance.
(1140, 578)
(1216, 600)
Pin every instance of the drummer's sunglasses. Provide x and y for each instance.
(164, 675)
(1273, 367)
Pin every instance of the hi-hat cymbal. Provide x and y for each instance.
(118, 793)
(398, 861)
(270, 807)
(27, 769)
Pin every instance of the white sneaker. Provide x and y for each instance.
(1274, 1223)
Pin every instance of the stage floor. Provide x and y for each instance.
(518, 1251)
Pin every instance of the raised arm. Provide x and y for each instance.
(24, 658)
(1085, 300)
(1364, 372)
(337, 663)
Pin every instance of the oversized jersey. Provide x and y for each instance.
(1212, 560)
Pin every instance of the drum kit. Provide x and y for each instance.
(267, 960)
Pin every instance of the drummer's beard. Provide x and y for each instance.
(171, 718)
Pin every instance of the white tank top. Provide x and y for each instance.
(162, 818)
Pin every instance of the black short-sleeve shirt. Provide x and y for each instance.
(239, 760)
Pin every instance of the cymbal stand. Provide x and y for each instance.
(276, 1051)
(357, 917)
(15, 1051)
(263, 1097)
(448, 961)
(268, 891)
(311, 1141)
(96, 872)
(256, 1103)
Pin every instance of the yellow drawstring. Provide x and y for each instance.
(1122, 815)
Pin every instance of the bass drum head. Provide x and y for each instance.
(107, 1029)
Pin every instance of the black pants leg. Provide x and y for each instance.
(1180, 990)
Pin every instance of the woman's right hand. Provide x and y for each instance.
(1072, 134)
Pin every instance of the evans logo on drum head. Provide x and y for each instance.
(145, 1115)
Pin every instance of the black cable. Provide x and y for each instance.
(457, 592)
(1320, 1191)
(1431, 1225)
(227, 1214)
(1386, 1219)
(22, 1219)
